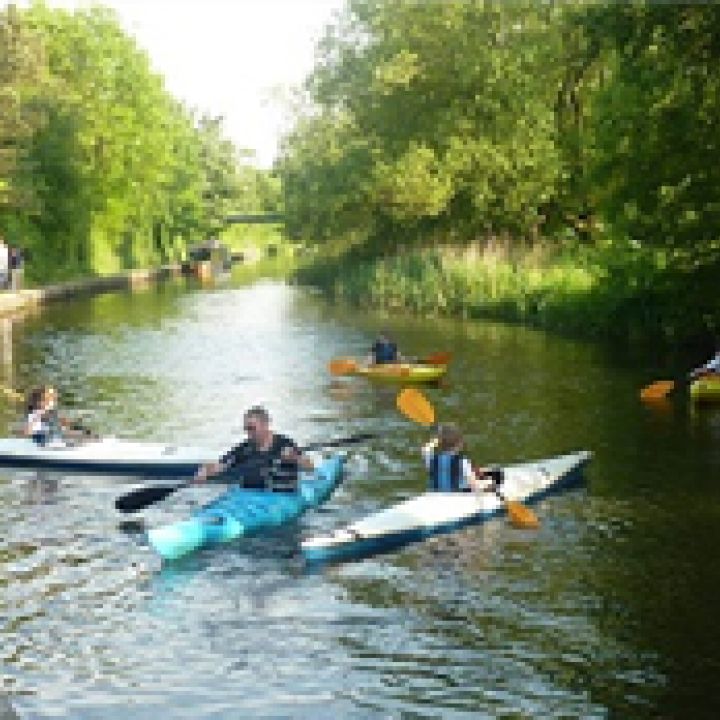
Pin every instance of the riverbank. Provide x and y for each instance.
(621, 294)
(12, 302)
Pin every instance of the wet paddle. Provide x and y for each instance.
(141, 498)
(438, 358)
(343, 366)
(414, 405)
(658, 390)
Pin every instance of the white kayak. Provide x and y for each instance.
(105, 455)
(433, 513)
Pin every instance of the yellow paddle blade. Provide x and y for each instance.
(438, 358)
(521, 516)
(657, 390)
(414, 405)
(343, 366)
(12, 394)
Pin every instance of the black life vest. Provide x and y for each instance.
(262, 470)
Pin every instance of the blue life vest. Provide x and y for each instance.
(384, 352)
(446, 473)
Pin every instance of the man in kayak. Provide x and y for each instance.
(384, 351)
(711, 367)
(448, 467)
(264, 461)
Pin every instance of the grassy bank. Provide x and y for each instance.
(621, 293)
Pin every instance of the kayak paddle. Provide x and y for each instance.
(143, 497)
(414, 405)
(657, 390)
(438, 358)
(343, 366)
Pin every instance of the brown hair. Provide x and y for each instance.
(35, 398)
(258, 411)
(449, 437)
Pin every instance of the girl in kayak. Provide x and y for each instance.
(43, 422)
(265, 460)
(450, 470)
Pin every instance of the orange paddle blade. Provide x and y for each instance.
(343, 366)
(414, 405)
(521, 516)
(657, 390)
(438, 358)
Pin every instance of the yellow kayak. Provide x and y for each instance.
(403, 372)
(706, 389)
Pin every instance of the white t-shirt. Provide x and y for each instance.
(36, 423)
(713, 365)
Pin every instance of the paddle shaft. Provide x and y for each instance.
(141, 498)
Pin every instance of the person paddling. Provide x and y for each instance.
(449, 468)
(43, 422)
(711, 367)
(265, 460)
(384, 351)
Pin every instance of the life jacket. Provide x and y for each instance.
(385, 352)
(258, 470)
(446, 472)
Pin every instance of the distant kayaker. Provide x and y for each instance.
(711, 367)
(43, 422)
(265, 460)
(449, 469)
(384, 351)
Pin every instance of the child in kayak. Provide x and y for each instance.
(43, 422)
(449, 469)
(384, 351)
(711, 367)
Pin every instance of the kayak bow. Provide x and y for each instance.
(433, 513)
(104, 456)
(239, 512)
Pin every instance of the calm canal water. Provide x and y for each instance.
(608, 611)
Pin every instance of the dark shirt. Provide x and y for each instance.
(384, 352)
(16, 258)
(262, 469)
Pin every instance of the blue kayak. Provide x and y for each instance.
(240, 512)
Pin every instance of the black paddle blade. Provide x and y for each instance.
(141, 498)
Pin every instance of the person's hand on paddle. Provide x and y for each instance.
(206, 471)
(293, 455)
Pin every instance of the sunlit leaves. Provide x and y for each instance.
(124, 174)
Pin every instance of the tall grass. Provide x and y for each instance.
(612, 291)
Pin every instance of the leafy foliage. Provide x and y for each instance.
(100, 168)
(576, 126)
